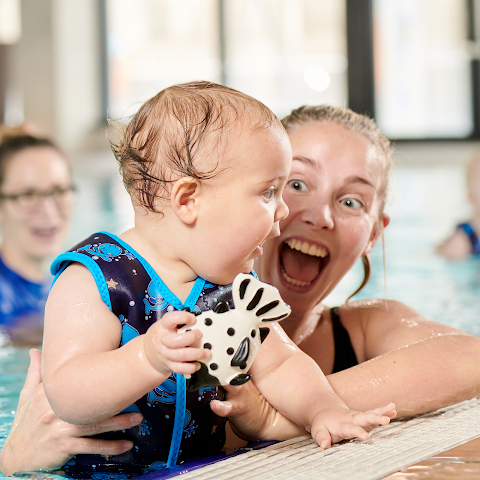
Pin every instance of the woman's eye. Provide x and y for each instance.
(298, 185)
(352, 203)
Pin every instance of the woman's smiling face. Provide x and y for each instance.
(332, 195)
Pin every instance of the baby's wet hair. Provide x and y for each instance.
(182, 132)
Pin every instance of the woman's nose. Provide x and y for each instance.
(319, 216)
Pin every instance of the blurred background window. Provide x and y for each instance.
(153, 44)
(423, 68)
(285, 53)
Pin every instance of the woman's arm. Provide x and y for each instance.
(39, 440)
(417, 364)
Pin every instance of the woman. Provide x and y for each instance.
(336, 194)
(35, 206)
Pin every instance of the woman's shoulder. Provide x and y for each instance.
(385, 325)
(374, 309)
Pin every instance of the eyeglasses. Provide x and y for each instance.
(31, 199)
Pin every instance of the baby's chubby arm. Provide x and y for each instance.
(294, 384)
(87, 378)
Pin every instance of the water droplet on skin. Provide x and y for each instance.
(153, 228)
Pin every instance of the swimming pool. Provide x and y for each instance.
(426, 202)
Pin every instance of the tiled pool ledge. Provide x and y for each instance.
(389, 449)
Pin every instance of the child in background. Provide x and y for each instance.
(205, 167)
(465, 241)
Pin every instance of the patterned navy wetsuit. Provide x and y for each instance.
(138, 297)
(470, 232)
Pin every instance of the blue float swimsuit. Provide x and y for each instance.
(178, 425)
(470, 232)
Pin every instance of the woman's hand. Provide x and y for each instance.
(39, 440)
(252, 417)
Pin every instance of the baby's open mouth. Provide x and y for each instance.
(301, 262)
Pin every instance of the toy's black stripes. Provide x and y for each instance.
(276, 319)
(243, 288)
(256, 299)
(265, 309)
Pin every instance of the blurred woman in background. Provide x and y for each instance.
(36, 198)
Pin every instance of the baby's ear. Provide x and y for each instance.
(183, 199)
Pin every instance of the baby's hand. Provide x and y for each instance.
(169, 351)
(334, 424)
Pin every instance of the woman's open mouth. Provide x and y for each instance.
(301, 262)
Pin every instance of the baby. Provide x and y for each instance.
(205, 167)
(465, 241)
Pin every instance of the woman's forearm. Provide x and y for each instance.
(418, 378)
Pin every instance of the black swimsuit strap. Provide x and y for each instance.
(344, 353)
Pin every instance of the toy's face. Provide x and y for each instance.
(241, 207)
(234, 336)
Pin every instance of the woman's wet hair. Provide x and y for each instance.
(354, 122)
(183, 131)
(14, 140)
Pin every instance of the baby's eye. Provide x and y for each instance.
(269, 193)
(352, 203)
(298, 185)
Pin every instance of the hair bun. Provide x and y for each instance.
(7, 131)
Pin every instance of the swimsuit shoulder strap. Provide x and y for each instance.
(345, 356)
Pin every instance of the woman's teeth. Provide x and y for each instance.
(307, 248)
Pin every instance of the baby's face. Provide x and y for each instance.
(241, 207)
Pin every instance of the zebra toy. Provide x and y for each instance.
(235, 335)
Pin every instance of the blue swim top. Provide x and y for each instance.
(22, 302)
(178, 425)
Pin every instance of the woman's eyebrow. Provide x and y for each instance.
(306, 160)
(357, 179)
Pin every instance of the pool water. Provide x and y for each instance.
(425, 204)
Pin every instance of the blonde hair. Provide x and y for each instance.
(176, 133)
